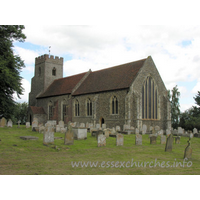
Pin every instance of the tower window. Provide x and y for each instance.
(54, 72)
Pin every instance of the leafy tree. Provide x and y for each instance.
(175, 106)
(20, 113)
(10, 68)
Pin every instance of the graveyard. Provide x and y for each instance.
(24, 152)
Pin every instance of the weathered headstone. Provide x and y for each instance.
(63, 130)
(97, 125)
(82, 125)
(80, 133)
(191, 135)
(27, 124)
(101, 140)
(153, 139)
(117, 128)
(48, 136)
(168, 132)
(19, 122)
(169, 143)
(195, 131)
(34, 123)
(177, 140)
(69, 136)
(144, 129)
(162, 139)
(138, 139)
(61, 124)
(10, 123)
(136, 131)
(180, 131)
(119, 139)
(126, 126)
(58, 128)
(41, 129)
(188, 151)
(103, 126)
(157, 128)
(107, 132)
(3, 122)
(99, 132)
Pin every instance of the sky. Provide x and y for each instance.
(174, 49)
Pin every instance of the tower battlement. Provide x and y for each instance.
(47, 58)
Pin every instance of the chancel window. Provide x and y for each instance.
(54, 72)
(76, 108)
(89, 107)
(114, 105)
(149, 99)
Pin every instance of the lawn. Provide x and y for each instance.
(19, 156)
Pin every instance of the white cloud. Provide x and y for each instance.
(196, 88)
(24, 98)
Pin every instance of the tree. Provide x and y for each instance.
(10, 68)
(175, 106)
(20, 113)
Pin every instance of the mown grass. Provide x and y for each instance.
(19, 156)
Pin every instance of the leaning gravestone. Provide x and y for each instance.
(48, 137)
(138, 139)
(169, 143)
(101, 141)
(188, 151)
(10, 123)
(119, 139)
(69, 136)
(162, 139)
(27, 124)
(153, 139)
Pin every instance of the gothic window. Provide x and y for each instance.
(114, 105)
(50, 111)
(76, 108)
(64, 111)
(54, 72)
(149, 99)
(89, 107)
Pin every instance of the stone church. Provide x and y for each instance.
(131, 93)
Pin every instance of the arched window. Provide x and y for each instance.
(76, 108)
(149, 99)
(54, 72)
(114, 105)
(50, 109)
(64, 107)
(89, 107)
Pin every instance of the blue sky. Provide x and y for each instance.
(175, 51)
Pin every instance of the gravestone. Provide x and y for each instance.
(195, 131)
(188, 151)
(3, 122)
(180, 130)
(82, 125)
(48, 136)
(119, 139)
(136, 131)
(103, 126)
(63, 130)
(117, 128)
(107, 132)
(144, 129)
(191, 135)
(168, 132)
(28, 138)
(80, 133)
(61, 124)
(153, 139)
(162, 139)
(138, 139)
(101, 140)
(69, 136)
(160, 132)
(126, 126)
(99, 132)
(157, 128)
(93, 131)
(97, 125)
(169, 143)
(58, 128)
(34, 123)
(27, 124)
(19, 122)
(41, 129)
(177, 140)
(10, 123)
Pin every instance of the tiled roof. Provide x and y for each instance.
(114, 78)
(62, 86)
(37, 110)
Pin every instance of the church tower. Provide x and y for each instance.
(47, 69)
